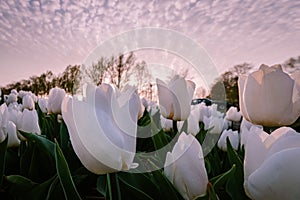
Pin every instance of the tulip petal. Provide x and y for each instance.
(277, 178)
(165, 98)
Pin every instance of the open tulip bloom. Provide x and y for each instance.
(269, 97)
(103, 128)
(271, 166)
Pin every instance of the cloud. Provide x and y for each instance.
(230, 30)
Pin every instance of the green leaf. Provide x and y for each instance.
(37, 153)
(235, 186)
(221, 180)
(3, 147)
(139, 185)
(167, 190)
(65, 175)
(23, 188)
(101, 184)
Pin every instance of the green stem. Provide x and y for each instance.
(114, 191)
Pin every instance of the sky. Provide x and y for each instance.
(41, 35)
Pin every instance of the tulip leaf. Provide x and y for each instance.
(65, 175)
(234, 186)
(37, 153)
(219, 181)
(101, 184)
(139, 183)
(23, 188)
(167, 190)
(3, 147)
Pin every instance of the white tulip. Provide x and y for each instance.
(13, 140)
(269, 97)
(192, 123)
(28, 102)
(213, 124)
(14, 91)
(185, 168)
(245, 128)
(233, 138)
(233, 114)
(3, 121)
(11, 98)
(175, 98)
(42, 102)
(271, 165)
(213, 111)
(28, 122)
(56, 96)
(103, 128)
(203, 111)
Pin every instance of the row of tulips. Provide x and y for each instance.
(111, 144)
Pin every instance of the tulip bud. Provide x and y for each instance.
(13, 140)
(175, 98)
(42, 102)
(166, 124)
(233, 115)
(3, 122)
(56, 96)
(192, 123)
(12, 98)
(213, 124)
(269, 97)
(28, 122)
(185, 168)
(27, 102)
(233, 137)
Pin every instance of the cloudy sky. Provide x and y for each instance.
(38, 35)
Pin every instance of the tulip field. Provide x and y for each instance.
(112, 144)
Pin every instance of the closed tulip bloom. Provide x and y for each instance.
(233, 114)
(28, 122)
(233, 138)
(245, 128)
(175, 98)
(3, 122)
(13, 140)
(103, 128)
(56, 96)
(213, 124)
(28, 102)
(192, 123)
(12, 98)
(42, 102)
(185, 168)
(269, 97)
(271, 165)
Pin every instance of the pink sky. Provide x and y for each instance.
(36, 36)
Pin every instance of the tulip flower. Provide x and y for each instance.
(56, 96)
(233, 138)
(103, 127)
(203, 111)
(233, 114)
(13, 140)
(28, 102)
(3, 122)
(42, 102)
(185, 168)
(271, 165)
(12, 98)
(269, 97)
(28, 122)
(192, 123)
(214, 125)
(245, 128)
(175, 98)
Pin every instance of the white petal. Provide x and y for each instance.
(277, 178)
